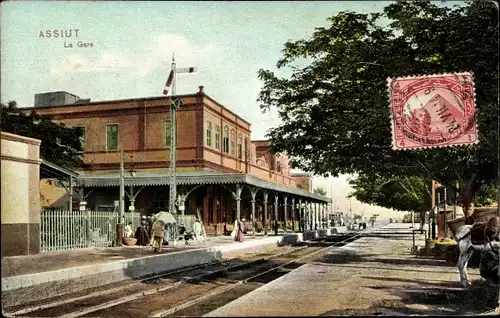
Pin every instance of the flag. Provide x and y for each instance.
(169, 82)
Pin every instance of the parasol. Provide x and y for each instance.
(166, 217)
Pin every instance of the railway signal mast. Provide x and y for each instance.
(175, 104)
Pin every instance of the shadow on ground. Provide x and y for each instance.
(442, 299)
(350, 256)
(412, 296)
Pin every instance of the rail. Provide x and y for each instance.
(220, 269)
(147, 279)
(226, 288)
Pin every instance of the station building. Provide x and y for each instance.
(220, 171)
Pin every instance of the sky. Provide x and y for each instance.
(130, 45)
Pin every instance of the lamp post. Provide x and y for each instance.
(132, 196)
(121, 204)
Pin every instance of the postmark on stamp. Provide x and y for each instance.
(433, 111)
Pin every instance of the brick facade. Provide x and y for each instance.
(142, 136)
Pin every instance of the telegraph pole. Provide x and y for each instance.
(173, 148)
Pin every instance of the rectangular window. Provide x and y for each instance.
(225, 140)
(209, 134)
(226, 145)
(217, 137)
(168, 133)
(112, 137)
(83, 136)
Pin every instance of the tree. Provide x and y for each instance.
(406, 193)
(60, 144)
(335, 111)
(320, 191)
(398, 193)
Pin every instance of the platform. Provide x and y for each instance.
(370, 276)
(51, 261)
(55, 273)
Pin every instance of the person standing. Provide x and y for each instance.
(141, 234)
(243, 226)
(239, 233)
(158, 234)
(234, 232)
(197, 231)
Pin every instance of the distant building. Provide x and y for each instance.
(215, 158)
(58, 99)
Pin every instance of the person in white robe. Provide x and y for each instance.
(197, 231)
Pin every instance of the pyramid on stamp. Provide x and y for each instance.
(441, 113)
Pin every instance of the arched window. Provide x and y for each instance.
(247, 154)
(225, 139)
(240, 147)
(233, 143)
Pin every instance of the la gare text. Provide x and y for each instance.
(79, 44)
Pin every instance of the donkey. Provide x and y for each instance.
(481, 237)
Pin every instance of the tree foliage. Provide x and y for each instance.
(320, 191)
(335, 111)
(398, 193)
(407, 193)
(60, 144)
(486, 196)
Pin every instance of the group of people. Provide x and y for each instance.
(154, 233)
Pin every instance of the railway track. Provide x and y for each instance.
(190, 290)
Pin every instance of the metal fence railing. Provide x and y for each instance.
(65, 230)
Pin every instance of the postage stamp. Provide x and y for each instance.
(433, 111)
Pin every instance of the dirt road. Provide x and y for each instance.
(371, 276)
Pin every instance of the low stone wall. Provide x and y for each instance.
(449, 252)
(310, 235)
(484, 214)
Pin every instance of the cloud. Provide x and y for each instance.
(186, 53)
(108, 62)
(142, 62)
